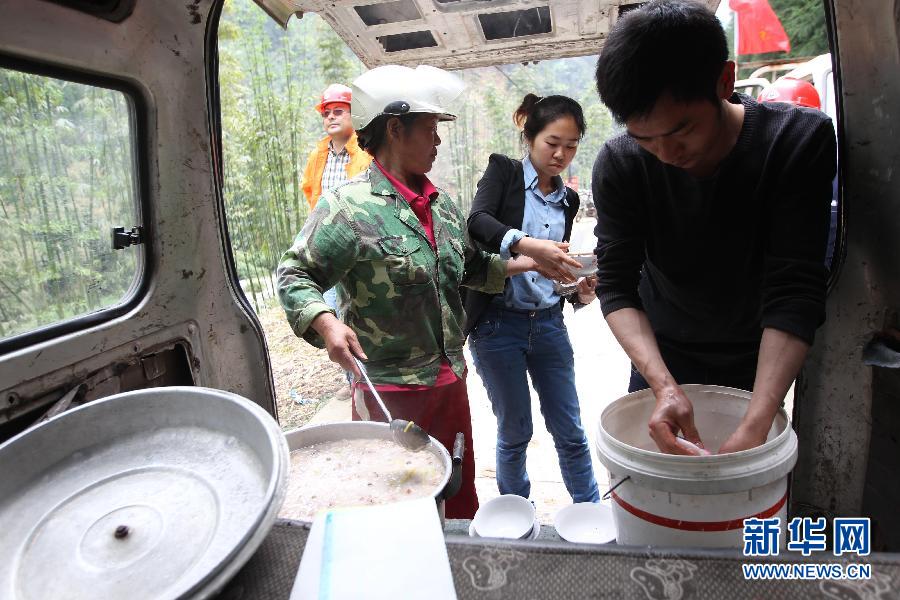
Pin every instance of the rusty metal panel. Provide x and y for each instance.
(833, 411)
(457, 36)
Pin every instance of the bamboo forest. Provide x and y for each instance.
(68, 174)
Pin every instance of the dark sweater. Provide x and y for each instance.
(714, 261)
(498, 206)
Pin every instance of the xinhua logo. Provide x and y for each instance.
(850, 536)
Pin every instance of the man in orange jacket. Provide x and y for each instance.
(337, 157)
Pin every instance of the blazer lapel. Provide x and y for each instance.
(515, 196)
(572, 201)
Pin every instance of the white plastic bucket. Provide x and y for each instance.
(669, 500)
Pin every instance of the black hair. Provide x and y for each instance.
(372, 136)
(666, 46)
(535, 113)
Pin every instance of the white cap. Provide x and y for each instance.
(397, 90)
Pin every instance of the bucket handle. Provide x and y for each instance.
(610, 490)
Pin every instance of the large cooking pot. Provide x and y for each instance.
(354, 430)
(153, 494)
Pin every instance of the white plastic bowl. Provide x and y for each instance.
(506, 516)
(535, 531)
(585, 523)
(588, 261)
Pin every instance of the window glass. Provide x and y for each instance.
(66, 179)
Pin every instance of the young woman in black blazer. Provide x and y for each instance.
(522, 207)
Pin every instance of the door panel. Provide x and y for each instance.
(834, 407)
(187, 297)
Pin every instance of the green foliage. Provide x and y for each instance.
(336, 62)
(804, 22)
(270, 80)
(485, 122)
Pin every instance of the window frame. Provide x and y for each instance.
(214, 110)
(840, 242)
(139, 119)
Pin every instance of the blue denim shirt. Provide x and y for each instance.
(544, 219)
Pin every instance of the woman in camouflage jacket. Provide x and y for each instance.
(396, 248)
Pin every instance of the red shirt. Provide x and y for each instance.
(421, 206)
(419, 203)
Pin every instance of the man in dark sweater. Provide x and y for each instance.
(712, 219)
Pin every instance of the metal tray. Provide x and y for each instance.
(160, 493)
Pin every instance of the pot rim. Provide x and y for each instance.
(354, 430)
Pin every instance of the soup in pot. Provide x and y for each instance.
(357, 472)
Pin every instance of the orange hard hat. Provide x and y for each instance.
(334, 93)
(793, 91)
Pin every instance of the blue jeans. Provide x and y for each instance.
(507, 346)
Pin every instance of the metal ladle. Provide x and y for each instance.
(406, 433)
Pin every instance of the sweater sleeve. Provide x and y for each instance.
(483, 225)
(620, 235)
(794, 278)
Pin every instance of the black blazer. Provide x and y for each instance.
(498, 206)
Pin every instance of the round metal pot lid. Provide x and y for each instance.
(161, 493)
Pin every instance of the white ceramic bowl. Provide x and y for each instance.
(506, 516)
(535, 531)
(585, 523)
(588, 261)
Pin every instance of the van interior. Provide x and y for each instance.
(170, 309)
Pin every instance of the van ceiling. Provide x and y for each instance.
(111, 10)
(456, 34)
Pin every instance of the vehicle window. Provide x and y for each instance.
(67, 177)
(271, 80)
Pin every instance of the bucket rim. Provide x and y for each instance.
(734, 471)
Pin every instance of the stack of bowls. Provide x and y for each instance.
(507, 516)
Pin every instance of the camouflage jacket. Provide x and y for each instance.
(397, 293)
